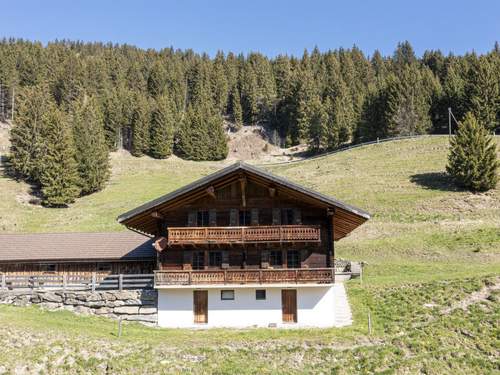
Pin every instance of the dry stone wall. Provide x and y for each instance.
(132, 305)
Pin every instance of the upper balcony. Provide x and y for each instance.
(242, 235)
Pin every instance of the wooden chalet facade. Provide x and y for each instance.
(244, 232)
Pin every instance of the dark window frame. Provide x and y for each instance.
(245, 218)
(276, 258)
(215, 259)
(202, 218)
(293, 259)
(198, 260)
(48, 267)
(103, 267)
(230, 298)
(287, 216)
(262, 296)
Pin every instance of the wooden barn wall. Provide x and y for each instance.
(77, 268)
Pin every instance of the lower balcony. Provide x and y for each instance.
(258, 276)
(256, 234)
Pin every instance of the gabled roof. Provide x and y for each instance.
(129, 217)
(118, 246)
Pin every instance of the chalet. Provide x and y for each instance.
(243, 247)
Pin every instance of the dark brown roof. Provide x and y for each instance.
(75, 246)
(347, 217)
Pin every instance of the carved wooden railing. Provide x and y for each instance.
(272, 233)
(258, 276)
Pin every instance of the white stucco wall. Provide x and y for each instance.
(315, 307)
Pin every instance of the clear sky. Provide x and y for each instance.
(272, 27)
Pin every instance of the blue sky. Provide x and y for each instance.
(272, 27)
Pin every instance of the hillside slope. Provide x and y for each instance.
(421, 223)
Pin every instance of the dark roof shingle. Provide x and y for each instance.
(75, 246)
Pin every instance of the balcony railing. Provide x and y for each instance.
(272, 233)
(259, 276)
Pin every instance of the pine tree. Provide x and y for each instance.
(59, 178)
(472, 161)
(91, 151)
(162, 128)
(141, 121)
(26, 136)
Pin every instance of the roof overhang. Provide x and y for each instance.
(141, 219)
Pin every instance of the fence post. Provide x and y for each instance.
(369, 322)
(64, 282)
(120, 282)
(4, 282)
(93, 281)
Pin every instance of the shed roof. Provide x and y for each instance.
(75, 246)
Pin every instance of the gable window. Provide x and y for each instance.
(292, 259)
(198, 262)
(276, 258)
(203, 219)
(260, 294)
(103, 267)
(287, 216)
(245, 217)
(215, 259)
(227, 295)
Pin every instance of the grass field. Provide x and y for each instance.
(429, 246)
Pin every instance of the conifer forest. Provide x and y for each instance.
(75, 102)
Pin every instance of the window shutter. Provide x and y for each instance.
(233, 217)
(225, 259)
(187, 259)
(276, 216)
(212, 217)
(297, 217)
(254, 212)
(264, 259)
(192, 218)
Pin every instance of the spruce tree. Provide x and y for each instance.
(26, 136)
(472, 161)
(484, 92)
(59, 178)
(236, 111)
(318, 130)
(162, 128)
(91, 151)
(141, 121)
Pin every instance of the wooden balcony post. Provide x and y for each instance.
(260, 276)
(189, 278)
(296, 276)
(225, 276)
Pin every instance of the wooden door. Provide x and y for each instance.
(200, 306)
(289, 305)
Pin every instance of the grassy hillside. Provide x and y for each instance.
(431, 282)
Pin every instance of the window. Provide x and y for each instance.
(48, 267)
(215, 259)
(287, 216)
(292, 259)
(227, 295)
(198, 262)
(104, 267)
(276, 258)
(260, 294)
(202, 219)
(245, 217)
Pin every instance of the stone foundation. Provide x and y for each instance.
(132, 305)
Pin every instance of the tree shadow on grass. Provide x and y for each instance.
(34, 195)
(435, 181)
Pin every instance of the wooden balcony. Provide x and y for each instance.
(272, 233)
(258, 276)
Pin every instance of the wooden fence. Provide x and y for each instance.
(78, 282)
